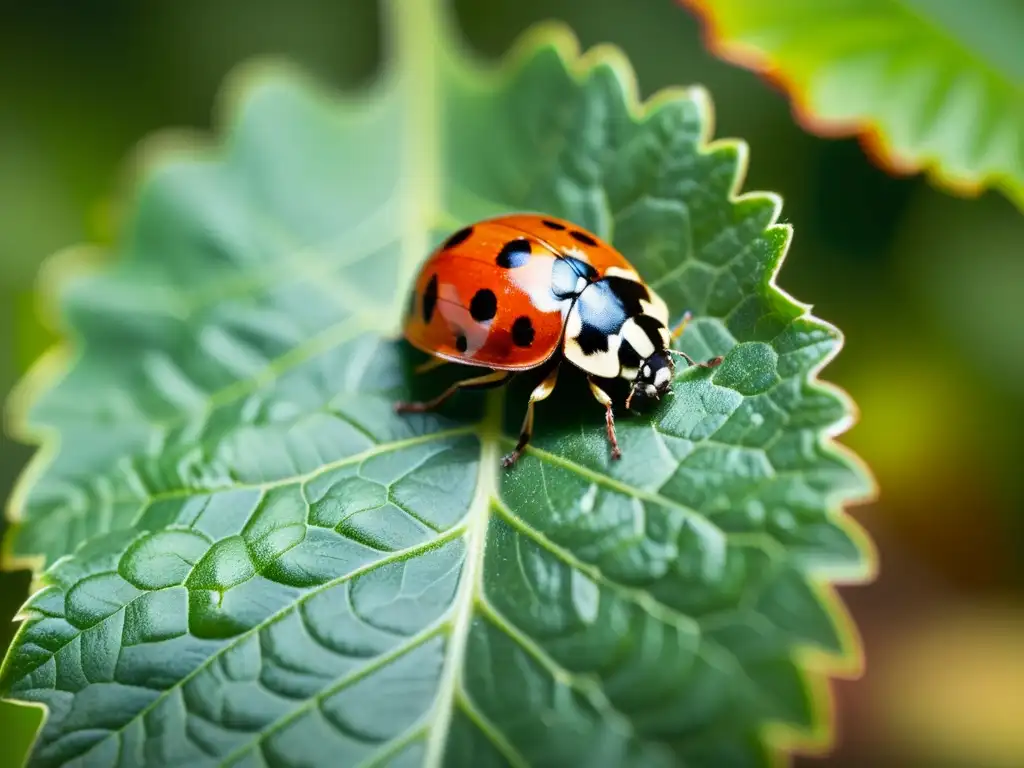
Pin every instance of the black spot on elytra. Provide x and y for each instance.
(522, 331)
(460, 343)
(484, 305)
(430, 300)
(514, 253)
(552, 225)
(582, 237)
(592, 340)
(459, 237)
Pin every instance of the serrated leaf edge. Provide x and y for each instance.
(781, 740)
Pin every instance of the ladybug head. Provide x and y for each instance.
(653, 377)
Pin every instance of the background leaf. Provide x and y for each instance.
(930, 84)
(255, 561)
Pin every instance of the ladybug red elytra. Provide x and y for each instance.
(527, 291)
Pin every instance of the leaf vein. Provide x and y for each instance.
(375, 664)
(216, 656)
(490, 730)
(587, 685)
(656, 609)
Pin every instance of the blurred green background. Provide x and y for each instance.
(928, 288)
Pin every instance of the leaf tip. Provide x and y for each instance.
(553, 34)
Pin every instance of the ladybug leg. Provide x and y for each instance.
(431, 364)
(604, 399)
(492, 379)
(714, 362)
(540, 392)
(677, 332)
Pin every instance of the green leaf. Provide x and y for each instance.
(255, 561)
(929, 84)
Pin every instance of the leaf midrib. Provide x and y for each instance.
(470, 581)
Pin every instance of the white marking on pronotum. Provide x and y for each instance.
(628, 274)
(574, 324)
(603, 364)
(656, 308)
(638, 338)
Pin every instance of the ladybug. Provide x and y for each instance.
(527, 292)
